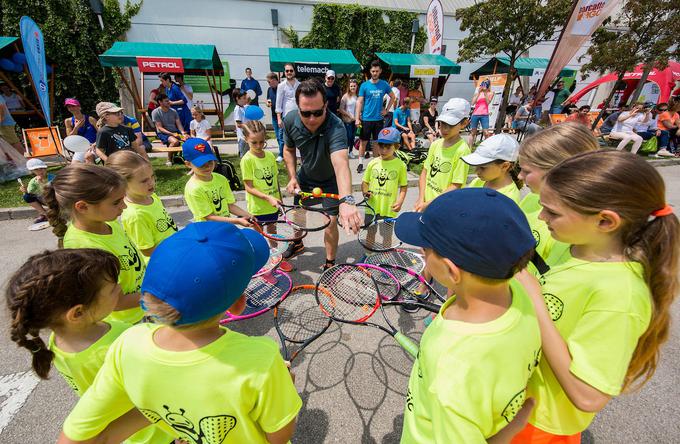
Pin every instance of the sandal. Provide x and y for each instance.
(329, 263)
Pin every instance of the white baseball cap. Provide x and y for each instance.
(330, 73)
(496, 147)
(454, 111)
(35, 164)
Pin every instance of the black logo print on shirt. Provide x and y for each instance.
(439, 167)
(165, 223)
(265, 174)
(555, 306)
(211, 429)
(383, 176)
(216, 196)
(409, 400)
(513, 406)
(537, 236)
(130, 260)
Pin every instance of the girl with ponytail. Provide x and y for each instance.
(604, 305)
(84, 201)
(70, 292)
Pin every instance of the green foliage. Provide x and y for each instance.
(508, 27)
(73, 40)
(361, 29)
(646, 31)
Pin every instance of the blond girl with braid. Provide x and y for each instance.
(84, 201)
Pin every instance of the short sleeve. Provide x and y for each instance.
(33, 186)
(278, 402)
(452, 426)
(102, 140)
(460, 168)
(367, 173)
(140, 231)
(247, 170)
(600, 358)
(193, 125)
(134, 124)
(228, 194)
(105, 401)
(403, 175)
(155, 115)
(287, 138)
(337, 139)
(238, 114)
(362, 90)
(198, 204)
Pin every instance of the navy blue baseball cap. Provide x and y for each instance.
(197, 151)
(204, 268)
(478, 229)
(389, 135)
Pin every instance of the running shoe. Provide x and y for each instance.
(294, 249)
(360, 168)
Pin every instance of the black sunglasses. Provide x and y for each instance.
(290, 70)
(315, 113)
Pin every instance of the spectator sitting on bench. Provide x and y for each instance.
(169, 128)
(401, 120)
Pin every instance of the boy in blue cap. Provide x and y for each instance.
(469, 380)
(197, 380)
(208, 194)
(385, 180)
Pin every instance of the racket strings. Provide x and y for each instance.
(264, 291)
(306, 219)
(387, 286)
(350, 293)
(299, 317)
(379, 236)
(409, 283)
(282, 231)
(402, 258)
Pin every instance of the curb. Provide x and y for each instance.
(173, 201)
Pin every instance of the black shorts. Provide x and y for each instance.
(371, 129)
(330, 206)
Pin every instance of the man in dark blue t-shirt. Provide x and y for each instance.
(250, 83)
(370, 110)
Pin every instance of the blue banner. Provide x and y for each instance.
(34, 49)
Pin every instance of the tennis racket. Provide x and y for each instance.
(262, 294)
(298, 320)
(347, 293)
(379, 236)
(404, 258)
(303, 218)
(412, 283)
(279, 230)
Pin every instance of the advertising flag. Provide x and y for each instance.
(435, 27)
(586, 17)
(34, 49)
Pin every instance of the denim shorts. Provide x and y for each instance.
(475, 120)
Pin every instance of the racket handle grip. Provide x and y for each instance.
(407, 344)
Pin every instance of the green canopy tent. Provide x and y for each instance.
(342, 61)
(524, 65)
(401, 63)
(154, 58)
(8, 47)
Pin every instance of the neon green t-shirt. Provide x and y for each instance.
(469, 379)
(79, 370)
(264, 174)
(132, 266)
(600, 309)
(509, 190)
(444, 167)
(206, 198)
(233, 390)
(147, 225)
(384, 179)
(531, 206)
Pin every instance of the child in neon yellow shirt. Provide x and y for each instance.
(208, 194)
(145, 219)
(193, 378)
(385, 180)
(93, 196)
(443, 170)
(603, 306)
(537, 155)
(495, 160)
(70, 292)
(468, 382)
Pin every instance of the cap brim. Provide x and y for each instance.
(450, 121)
(260, 247)
(202, 160)
(475, 159)
(408, 229)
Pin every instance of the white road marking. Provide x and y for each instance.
(14, 391)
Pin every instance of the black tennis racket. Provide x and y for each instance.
(347, 293)
(304, 219)
(391, 290)
(412, 283)
(298, 320)
(379, 236)
(404, 258)
(279, 231)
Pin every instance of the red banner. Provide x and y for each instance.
(160, 64)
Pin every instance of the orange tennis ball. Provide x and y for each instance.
(316, 191)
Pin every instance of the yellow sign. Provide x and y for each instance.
(424, 71)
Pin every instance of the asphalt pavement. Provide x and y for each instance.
(352, 380)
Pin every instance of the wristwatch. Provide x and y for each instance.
(349, 200)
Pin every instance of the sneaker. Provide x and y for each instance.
(360, 168)
(40, 219)
(409, 308)
(279, 159)
(294, 249)
(352, 156)
(664, 153)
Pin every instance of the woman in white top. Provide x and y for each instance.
(200, 127)
(625, 128)
(348, 104)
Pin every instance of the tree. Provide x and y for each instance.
(645, 32)
(73, 40)
(508, 27)
(361, 29)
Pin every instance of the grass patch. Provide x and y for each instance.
(170, 180)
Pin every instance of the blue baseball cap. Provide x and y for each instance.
(389, 135)
(197, 151)
(478, 229)
(204, 268)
